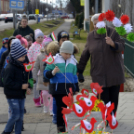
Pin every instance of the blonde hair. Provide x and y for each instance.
(52, 47)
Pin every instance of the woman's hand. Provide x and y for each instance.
(110, 42)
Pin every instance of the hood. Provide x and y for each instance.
(76, 49)
(9, 41)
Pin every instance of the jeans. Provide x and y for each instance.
(17, 111)
(54, 107)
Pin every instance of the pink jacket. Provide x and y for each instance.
(33, 51)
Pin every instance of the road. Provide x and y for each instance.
(9, 25)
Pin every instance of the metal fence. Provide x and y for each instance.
(129, 57)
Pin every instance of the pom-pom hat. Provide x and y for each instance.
(17, 50)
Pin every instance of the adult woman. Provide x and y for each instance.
(23, 28)
(106, 61)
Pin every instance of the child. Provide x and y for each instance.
(62, 36)
(32, 55)
(15, 85)
(4, 47)
(40, 86)
(23, 41)
(3, 58)
(29, 40)
(60, 84)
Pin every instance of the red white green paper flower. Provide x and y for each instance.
(49, 59)
(29, 66)
(88, 126)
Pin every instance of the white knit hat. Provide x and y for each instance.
(38, 33)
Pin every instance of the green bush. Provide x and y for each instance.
(79, 20)
(76, 20)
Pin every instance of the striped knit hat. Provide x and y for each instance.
(17, 50)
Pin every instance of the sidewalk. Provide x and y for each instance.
(35, 122)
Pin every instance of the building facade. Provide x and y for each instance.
(4, 6)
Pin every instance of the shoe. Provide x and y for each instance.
(6, 132)
(22, 129)
(51, 113)
(61, 129)
(45, 110)
(37, 102)
(54, 119)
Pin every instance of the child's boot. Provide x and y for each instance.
(37, 102)
(45, 110)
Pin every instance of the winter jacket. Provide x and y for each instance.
(24, 31)
(33, 51)
(61, 82)
(38, 65)
(106, 62)
(13, 79)
(2, 50)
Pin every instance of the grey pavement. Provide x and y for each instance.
(36, 122)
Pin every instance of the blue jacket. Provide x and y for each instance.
(2, 50)
(65, 79)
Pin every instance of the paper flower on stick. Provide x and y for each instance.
(112, 121)
(85, 92)
(128, 28)
(49, 59)
(101, 31)
(88, 126)
(79, 110)
(130, 37)
(101, 24)
(102, 17)
(96, 88)
(120, 30)
(116, 22)
(88, 103)
(110, 15)
(29, 66)
(124, 19)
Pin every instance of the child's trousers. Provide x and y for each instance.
(36, 92)
(60, 104)
(47, 99)
(17, 113)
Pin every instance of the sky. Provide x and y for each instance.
(54, 1)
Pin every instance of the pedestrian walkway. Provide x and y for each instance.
(36, 122)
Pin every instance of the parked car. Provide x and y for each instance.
(41, 16)
(64, 17)
(9, 18)
(2, 17)
(32, 17)
(70, 16)
(19, 16)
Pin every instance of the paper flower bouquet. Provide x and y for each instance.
(122, 25)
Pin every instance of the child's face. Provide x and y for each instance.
(6, 45)
(65, 56)
(39, 39)
(30, 43)
(21, 59)
(62, 40)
